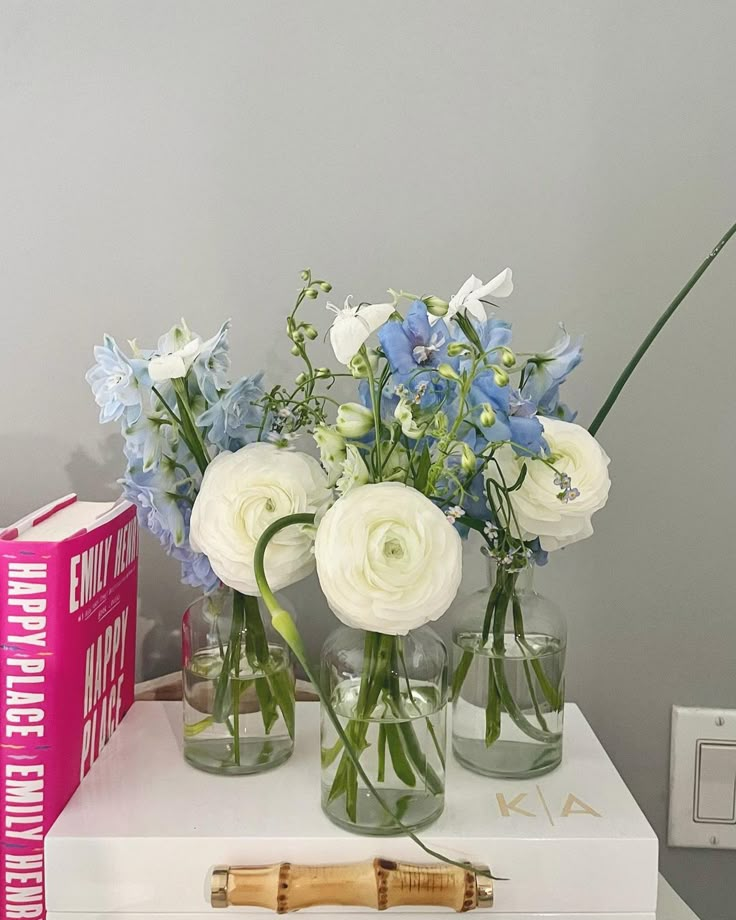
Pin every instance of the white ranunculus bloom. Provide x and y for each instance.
(470, 294)
(557, 504)
(241, 494)
(388, 560)
(353, 325)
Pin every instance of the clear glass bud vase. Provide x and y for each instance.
(238, 688)
(508, 684)
(390, 695)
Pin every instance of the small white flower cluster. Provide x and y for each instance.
(454, 514)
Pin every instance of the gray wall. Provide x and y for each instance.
(162, 159)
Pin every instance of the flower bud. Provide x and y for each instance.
(500, 377)
(360, 365)
(353, 420)
(300, 379)
(487, 415)
(508, 358)
(322, 372)
(311, 293)
(297, 336)
(296, 350)
(454, 349)
(467, 460)
(326, 286)
(310, 331)
(448, 372)
(436, 306)
(289, 325)
(305, 274)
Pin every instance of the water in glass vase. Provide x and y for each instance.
(508, 704)
(252, 733)
(401, 748)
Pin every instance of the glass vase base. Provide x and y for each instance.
(217, 756)
(507, 759)
(415, 810)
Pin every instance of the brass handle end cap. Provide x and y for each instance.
(218, 886)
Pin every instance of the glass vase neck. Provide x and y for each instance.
(524, 578)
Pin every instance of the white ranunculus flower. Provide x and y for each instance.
(241, 494)
(388, 560)
(470, 295)
(557, 504)
(353, 325)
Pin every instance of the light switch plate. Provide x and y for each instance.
(703, 778)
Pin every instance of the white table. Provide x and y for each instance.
(670, 906)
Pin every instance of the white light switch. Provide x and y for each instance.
(715, 782)
(703, 778)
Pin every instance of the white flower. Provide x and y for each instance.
(241, 494)
(388, 560)
(546, 505)
(352, 326)
(471, 293)
(354, 471)
(177, 351)
(353, 420)
(331, 451)
(405, 417)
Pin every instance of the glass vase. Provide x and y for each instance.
(508, 686)
(238, 688)
(390, 696)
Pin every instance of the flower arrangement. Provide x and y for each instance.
(451, 430)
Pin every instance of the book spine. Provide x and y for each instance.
(27, 586)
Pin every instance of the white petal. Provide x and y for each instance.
(471, 285)
(500, 286)
(350, 330)
(166, 367)
(475, 308)
(376, 314)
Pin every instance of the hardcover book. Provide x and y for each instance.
(68, 605)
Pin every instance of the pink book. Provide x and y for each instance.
(68, 604)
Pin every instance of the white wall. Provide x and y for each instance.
(161, 159)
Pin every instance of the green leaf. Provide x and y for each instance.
(425, 461)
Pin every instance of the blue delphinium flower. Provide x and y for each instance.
(234, 419)
(159, 508)
(212, 365)
(412, 346)
(114, 383)
(546, 371)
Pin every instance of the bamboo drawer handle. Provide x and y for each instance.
(377, 883)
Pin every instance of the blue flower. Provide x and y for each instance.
(412, 346)
(114, 383)
(492, 333)
(516, 419)
(212, 365)
(546, 371)
(159, 512)
(197, 571)
(145, 439)
(234, 419)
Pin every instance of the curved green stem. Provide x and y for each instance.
(284, 624)
(654, 332)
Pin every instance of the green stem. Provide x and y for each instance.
(190, 431)
(285, 626)
(654, 332)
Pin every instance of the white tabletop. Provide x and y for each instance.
(670, 906)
